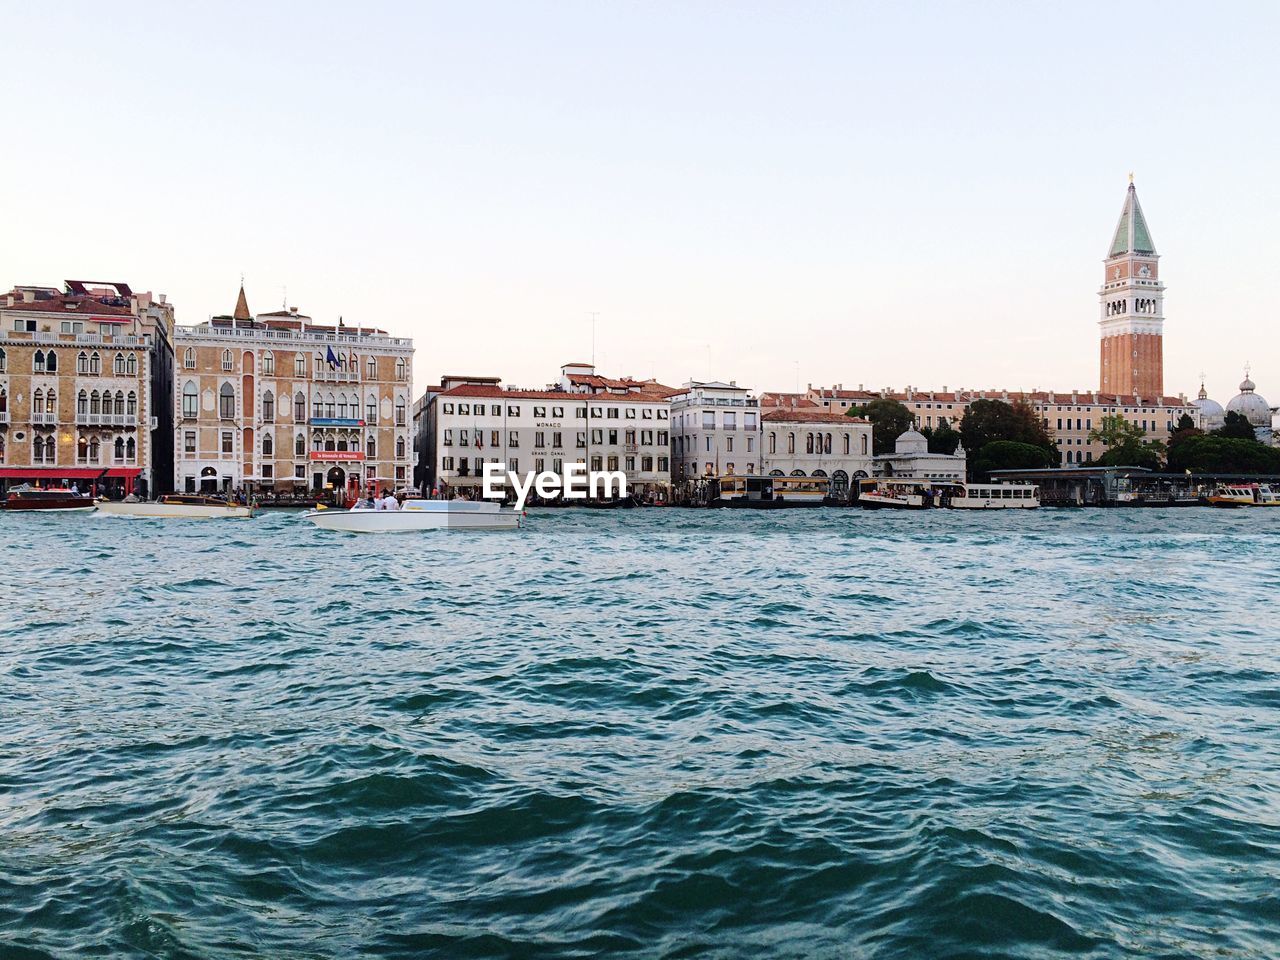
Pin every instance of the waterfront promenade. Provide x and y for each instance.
(648, 733)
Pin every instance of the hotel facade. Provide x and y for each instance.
(85, 374)
(601, 423)
(275, 403)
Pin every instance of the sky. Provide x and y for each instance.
(775, 194)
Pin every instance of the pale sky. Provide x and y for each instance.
(785, 193)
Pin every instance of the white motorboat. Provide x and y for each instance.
(417, 515)
(189, 506)
(992, 496)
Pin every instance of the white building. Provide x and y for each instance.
(621, 425)
(911, 459)
(808, 442)
(714, 430)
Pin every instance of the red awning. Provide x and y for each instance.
(67, 473)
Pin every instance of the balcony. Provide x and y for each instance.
(44, 418)
(105, 420)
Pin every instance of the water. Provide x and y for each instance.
(645, 733)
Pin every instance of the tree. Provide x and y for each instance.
(1011, 455)
(1185, 423)
(1126, 446)
(1214, 453)
(943, 439)
(987, 421)
(1236, 425)
(889, 420)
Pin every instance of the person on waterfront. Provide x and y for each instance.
(389, 501)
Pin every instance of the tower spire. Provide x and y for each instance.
(1132, 295)
(242, 305)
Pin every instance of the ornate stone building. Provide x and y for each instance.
(84, 385)
(275, 402)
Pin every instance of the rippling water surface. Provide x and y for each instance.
(648, 733)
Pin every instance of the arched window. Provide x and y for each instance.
(846, 444)
(864, 444)
(189, 358)
(317, 442)
(371, 448)
(131, 405)
(131, 365)
(37, 362)
(329, 406)
(342, 441)
(37, 401)
(117, 365)
(342, 406)
(4, 364)
(227, 402)
(95, 450)
(791, 443)
(95, 404)
(51, 402)
(190, 401)
(401, 368)
(400, 408)
(371, 410)
(808, 443)
(1, 445)
(82, 449)
(130, 450)
(371, 368)
(299, 446)
(268, 406)
(399, 448)
(268, 445)
(299, 365)
(268, 364)
(355, 368)
(51, 362)
(226, 360)
(827, 445)
(300, 407)
(82, 362)
(329, 443)
(95, 363)
(119, 403)
(4, 404)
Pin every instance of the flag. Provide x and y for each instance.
(329, 356)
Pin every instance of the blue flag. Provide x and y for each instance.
(329, 356)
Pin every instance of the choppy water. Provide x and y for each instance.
(645, 733)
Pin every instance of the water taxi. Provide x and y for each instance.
(1244, 495)
(59, 498)
(418, 515)
(178, 505)
(883, 493)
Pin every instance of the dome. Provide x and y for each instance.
(1253, 407)
(911, 442)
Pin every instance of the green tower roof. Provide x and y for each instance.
(1132, 233)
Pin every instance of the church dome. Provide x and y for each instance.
(1211, 412)
(1253, 407)
(911, 442)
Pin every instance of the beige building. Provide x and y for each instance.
(79, 373)
(808, 442)
(275, 402)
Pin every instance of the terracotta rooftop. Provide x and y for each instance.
(808, 415)
(487, 391)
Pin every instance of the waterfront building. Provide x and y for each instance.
(85, 376)
(599, 422)
(278, 403)
(715, 430)
(810, 442)
(911, 459)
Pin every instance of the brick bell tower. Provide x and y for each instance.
(1132, 323)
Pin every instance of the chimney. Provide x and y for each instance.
(164, 298)
(293, 311)
(28, 296)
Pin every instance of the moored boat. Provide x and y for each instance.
(418, 515)
(178, 505)
(991, 496)
(884, 494)
(1233, 495)
(60, 499)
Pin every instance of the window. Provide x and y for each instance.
(556, 439)
(596, 463)
(749, 421)
(539, 439)
(131, 365)
(646, 414)
(371, 411)
(514, 464)
(226, 441)
(227, 402)
(662, 464)
(539, 411)
(791, 443)
(299, 471)
(846, 444)
(495, 410)
(513, 411)
(448, 438)
(226, 359)
(557, 411)
(751, 446)
(400, 412)
(299, 365)
(580, 413)
(299, 406)
(117, 365)
(731, 421)
(402, 369)
(299, 445)
(371, 447)
(37, 362)
(268, 445)
(631, 413)
(613, 413)
(268, 364)
(400, 474)
(596, 412)
(3, 363)
(371, 368)
(582, 438)
(446, 463)
(268, 471)
(131, 405)
(646, 464)
(51, 362)
(82, 363)
(662, 414)
(495, 438)
(864, 444)
(597, 436)
(268, 406)
(400, 453)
